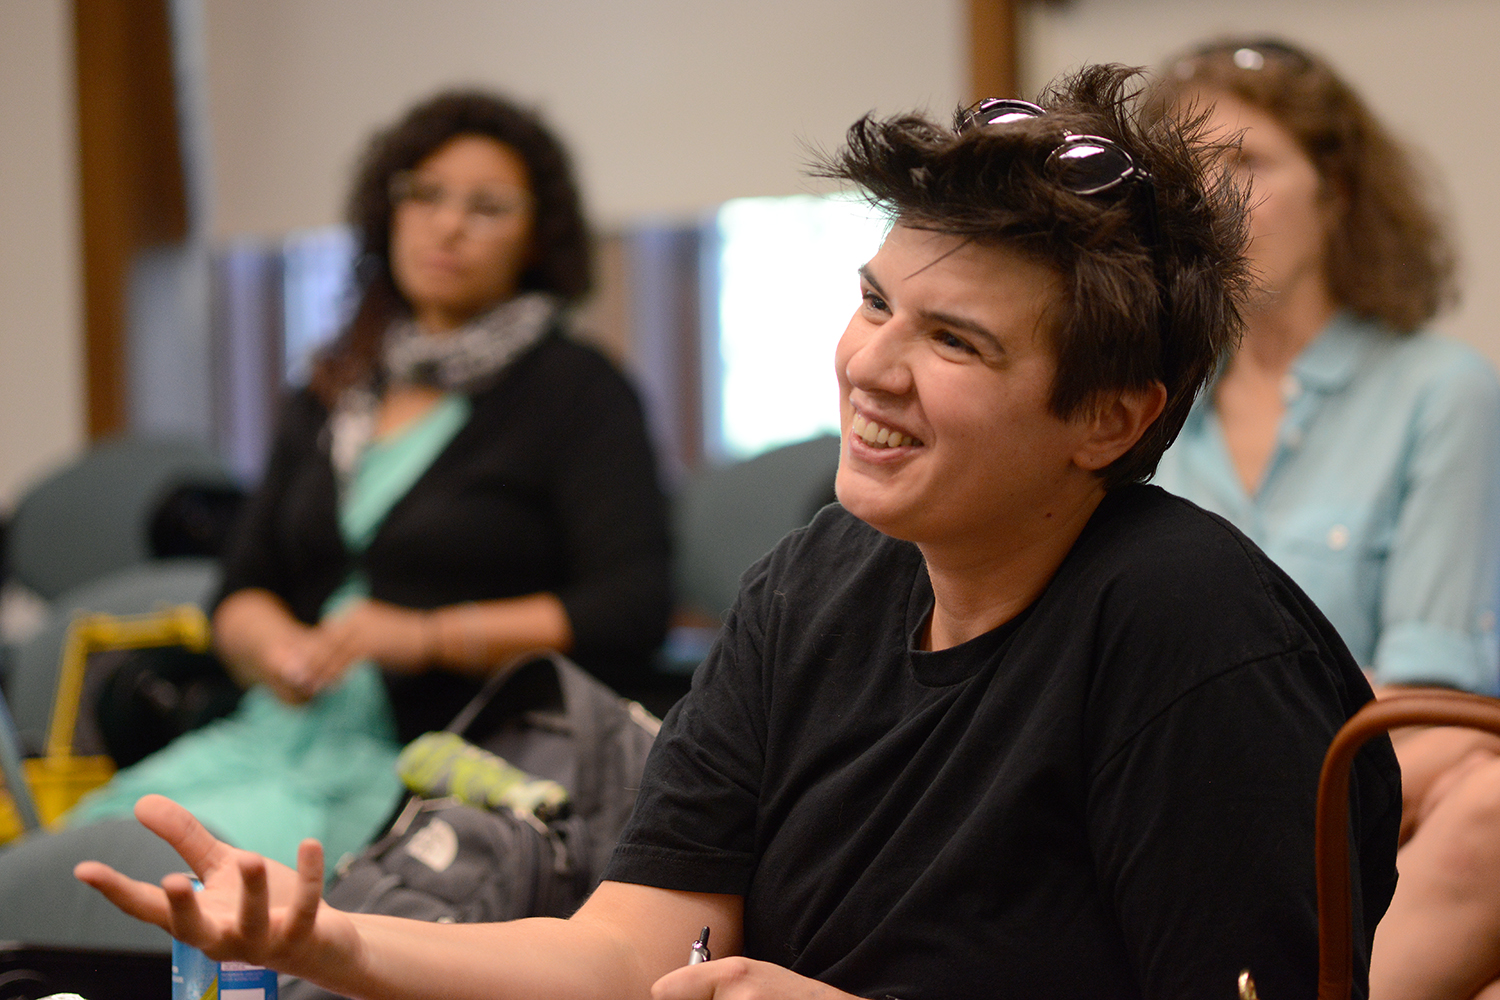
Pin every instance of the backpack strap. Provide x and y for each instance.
(492, 688)
(594, 714)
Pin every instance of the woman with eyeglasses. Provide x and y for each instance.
(1362, 452)
(1003, 722)
(461, 482)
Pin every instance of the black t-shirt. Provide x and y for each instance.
(1112, 795)
(550, 486)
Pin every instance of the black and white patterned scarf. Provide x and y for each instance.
(465, 360)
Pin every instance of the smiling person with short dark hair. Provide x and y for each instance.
(1003, 721)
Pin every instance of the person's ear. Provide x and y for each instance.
(1116, 423)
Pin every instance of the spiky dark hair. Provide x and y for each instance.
(1144, 299)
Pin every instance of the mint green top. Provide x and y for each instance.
(271, 774)
(391, 465)
(384, 473)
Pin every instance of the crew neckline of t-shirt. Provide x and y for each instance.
(956, 664)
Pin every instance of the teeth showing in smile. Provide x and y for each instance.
(877, 436)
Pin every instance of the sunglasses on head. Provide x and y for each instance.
(1085, 165)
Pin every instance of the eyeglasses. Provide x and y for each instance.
(1249, 54)
(1083, 164)
(482, 210)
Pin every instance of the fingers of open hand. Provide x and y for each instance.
(255, 904)
(139, 899)
(190, 839)
(227, 919)
(160, 905)
(248, 908)
(188, 922)
(231, 917)
(309, 893)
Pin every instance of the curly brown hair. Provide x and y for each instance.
(561, 262)
(1389, 257)
(1153, 273)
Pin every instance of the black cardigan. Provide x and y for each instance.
(551, 486)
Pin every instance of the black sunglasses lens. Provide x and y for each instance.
(1088, 166)
(999, 111)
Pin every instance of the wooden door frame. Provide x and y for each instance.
(993, 49)
(132, 193)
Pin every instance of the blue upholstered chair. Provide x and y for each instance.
(726, 517)
(92, 516)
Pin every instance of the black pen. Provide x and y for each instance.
(700, 949)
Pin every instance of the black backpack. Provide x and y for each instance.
(447, 861)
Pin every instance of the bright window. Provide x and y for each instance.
(786, 287)
(318, 265)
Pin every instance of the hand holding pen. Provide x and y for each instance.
(737, 979)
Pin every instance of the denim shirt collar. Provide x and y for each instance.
(1328, 364)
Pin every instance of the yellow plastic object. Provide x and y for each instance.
(56, 786)
(60, 778)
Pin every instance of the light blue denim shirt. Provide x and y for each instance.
(1381, 499)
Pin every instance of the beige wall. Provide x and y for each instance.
(41, 382)
(1426, 68)
(671, 106)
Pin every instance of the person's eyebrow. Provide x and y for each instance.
(938, 317)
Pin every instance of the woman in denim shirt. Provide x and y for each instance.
(1363, 454)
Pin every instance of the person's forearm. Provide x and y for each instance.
(1431, 757)
(475, 637)
(620, 941)
(245, 625)
(525, 959)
